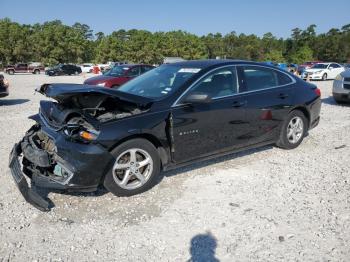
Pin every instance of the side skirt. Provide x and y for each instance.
(171, 166)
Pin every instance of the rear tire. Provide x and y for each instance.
(37, 72)
(11, 72)
(293, 130)
(136, 168)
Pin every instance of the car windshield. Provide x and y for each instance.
(320, 66)
(159, 82)
(117, 71)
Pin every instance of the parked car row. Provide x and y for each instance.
(313, 70)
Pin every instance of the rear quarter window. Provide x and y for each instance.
(283, 79)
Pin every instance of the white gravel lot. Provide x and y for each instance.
(262, 205)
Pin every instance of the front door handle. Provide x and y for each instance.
(282, 96)
(237, 104)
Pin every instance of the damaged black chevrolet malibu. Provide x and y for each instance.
(176, 114)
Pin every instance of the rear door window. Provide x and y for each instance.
(258, 78)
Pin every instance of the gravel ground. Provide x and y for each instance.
(262, 205)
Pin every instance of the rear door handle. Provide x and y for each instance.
(237, 104)
(282, 96)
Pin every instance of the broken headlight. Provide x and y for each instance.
(79, 129)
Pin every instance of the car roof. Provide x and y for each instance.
(211, 62)
(131, 65)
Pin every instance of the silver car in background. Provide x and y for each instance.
(341, 87)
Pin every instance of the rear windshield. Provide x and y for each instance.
(117, 71)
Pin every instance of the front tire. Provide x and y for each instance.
(293, 130)
(324, 77)
(136, 168)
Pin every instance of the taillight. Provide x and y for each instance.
(317, 91)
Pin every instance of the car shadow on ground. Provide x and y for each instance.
(12, 102)
(330, 101)
(215, 160)
(44, 193)
(203, 248)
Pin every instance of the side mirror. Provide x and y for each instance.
(198, 98)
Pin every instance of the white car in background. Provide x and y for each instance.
(87, 67)
(323, 71)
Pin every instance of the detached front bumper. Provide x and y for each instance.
(71, 166)
(29, 195)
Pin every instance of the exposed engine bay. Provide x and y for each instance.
(95, 106)
(79, 108)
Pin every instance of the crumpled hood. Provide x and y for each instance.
(65, 93)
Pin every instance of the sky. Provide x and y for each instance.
(199, 17)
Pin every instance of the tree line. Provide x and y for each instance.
(54, 42)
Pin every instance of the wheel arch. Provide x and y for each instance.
(305, 111)
(161, 148)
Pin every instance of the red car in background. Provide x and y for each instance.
(118, 75)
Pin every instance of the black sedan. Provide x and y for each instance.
(170, 116)
(63, 69)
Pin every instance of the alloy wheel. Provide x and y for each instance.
(132, 168)
(295, 130)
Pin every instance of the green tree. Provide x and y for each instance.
(302, 54)
(53, 42)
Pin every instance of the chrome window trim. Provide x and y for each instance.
(175, 104)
